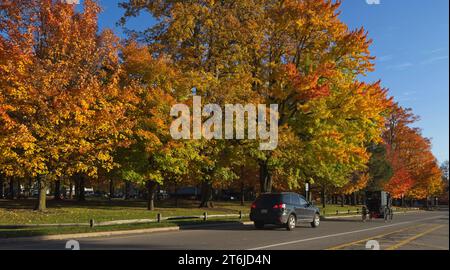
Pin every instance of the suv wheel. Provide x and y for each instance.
(259, 225)
(291, 223)
(316, 222)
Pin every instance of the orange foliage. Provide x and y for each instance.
(400, 183)
(416, 171)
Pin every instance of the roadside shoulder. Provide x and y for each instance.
(112, 233)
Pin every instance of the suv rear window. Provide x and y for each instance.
(295, 199)
(269, 200)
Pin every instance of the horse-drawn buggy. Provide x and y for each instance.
(378, 204)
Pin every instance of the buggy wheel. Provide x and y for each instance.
(364, 217)
(387, 214)
(364, 214)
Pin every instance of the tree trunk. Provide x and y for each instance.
(76, 186)
(206, 195)
(127, 190)
(29, 187)
(323, 197)
(242, 176)
(342, 200)
(151, 187)
(11, 188)
(265, 178)
(176, 194)
(57, 193)
(70, 190)
(242, 193)
(111, 188)
(81, 181)
(1, 186)
(42, 194)
(354, 199)
(19, 189)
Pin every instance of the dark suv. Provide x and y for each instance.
(286, 209)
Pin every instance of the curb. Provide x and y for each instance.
(247, 223)
(112, 233)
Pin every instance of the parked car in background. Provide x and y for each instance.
(35, 192)
(285, 209)
(162, 194)
(187, 193)
(89, 192)
(100, 194)
(227, 195)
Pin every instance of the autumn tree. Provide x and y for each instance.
(207, 42)
(154, 86)
(62, 91)
(416, 172)
(296, 54)
(17, 146)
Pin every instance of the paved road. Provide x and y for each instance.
(420, 230)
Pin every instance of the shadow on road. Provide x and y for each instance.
(236, 226)
(348, 220)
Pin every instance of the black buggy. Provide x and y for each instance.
(378, 204)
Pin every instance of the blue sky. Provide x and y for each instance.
(411, 44)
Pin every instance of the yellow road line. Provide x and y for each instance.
(373, 237)
(409, 240)
(429, 246)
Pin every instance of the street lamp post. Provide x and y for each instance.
(307, 191)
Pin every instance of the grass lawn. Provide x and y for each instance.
(21, 211)
(330, 210)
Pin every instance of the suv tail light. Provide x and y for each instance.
(279, 206)
(253, 205)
